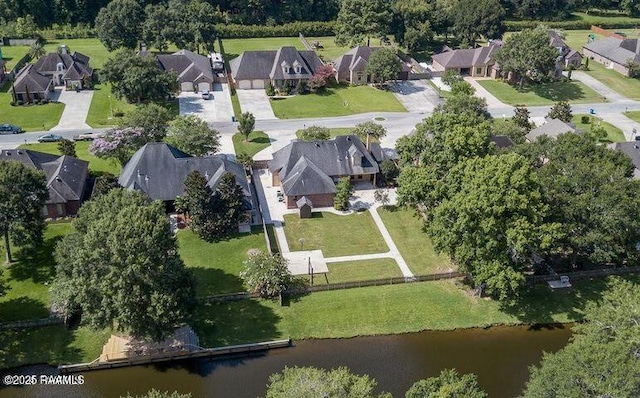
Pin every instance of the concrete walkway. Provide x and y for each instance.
(492, 101)
(75, 111)
(406, 272)
(598, 87)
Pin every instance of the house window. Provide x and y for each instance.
(60, 209)
(298, 70)
(359, 74)
(45, 210)
(478, 71)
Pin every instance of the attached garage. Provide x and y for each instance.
(257, 83)
(186, 86)
(244, 84)
(204, 86)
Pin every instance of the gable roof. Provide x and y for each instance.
(555, 40)
(552, 128)
(466, 58)
(631, 149)
(307, 61)
(159, 170)
(189, 66)
(49, 62)
(30, 78)
(617, 50)
(356, 60)
(305, 178)
(268, 64)
(304, 201)
(65, 176)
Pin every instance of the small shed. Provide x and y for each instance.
(305, 207)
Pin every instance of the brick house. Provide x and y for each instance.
(70, 70)
(614, 53)
(351, 66)
(476, 62)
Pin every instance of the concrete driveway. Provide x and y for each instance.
(256, 102)
(416, 95)
(216, 109)
(76, 108)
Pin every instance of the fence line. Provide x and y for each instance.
(32, 323)
(304, 41)
(577, 275)
(605, 32)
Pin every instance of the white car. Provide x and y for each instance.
(88, 136)
(206, 95)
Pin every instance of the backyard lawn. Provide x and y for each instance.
(12, 54)
(217, 265)
(91, 47)
(336, 101)
(258, 140)
(614, 134)
(334, 234)
(82, 149)
(352, 271)
(619, 83)
(541, 94)
(29, 117)
(414, 245)
(329, 52)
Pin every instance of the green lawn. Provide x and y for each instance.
(541, 94)
(235, 103)
(82, 149)
(352, 271)
(29, 276)
(12, 54)
(91, 47)
(235, 47)
(334, 234)
(331, 51)
(614, 134)
(619, 83)
(336, 131)
(217, 265)
(29, 117)
(415, 246)
(635, 115)
(337, 101)
(258, 140)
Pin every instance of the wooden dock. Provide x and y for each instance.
(176, 356)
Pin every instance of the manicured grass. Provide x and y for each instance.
(614, 134)
(258, 140)
(415, 246)
(337, 101)
(13, 54)
(29, 117)
(619, 83)
(29, 276)
(235, 47)
(217, 265)
(235, 103)
(541, 94)
(352, 271)
(82, 150)
(336, 131)
(102, 107)
(334, 234)
(331, 51)
(635, 115)
(91, 47)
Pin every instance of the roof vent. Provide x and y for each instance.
(58, 179)
(635, 146)
(19, 152)
(8, 153)
(318, 144)
(348, 138)
(146, 178)
(139, 173)
(206, 175)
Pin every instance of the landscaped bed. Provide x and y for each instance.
(335, 235)
(415, 246)
(333, 132)
(258, 141)
(541, 94)
(352, 271)
(82, 150)
(337, 101)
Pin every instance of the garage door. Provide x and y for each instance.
(244, 84)
(186, 86)
(257, 83)
(204, 86)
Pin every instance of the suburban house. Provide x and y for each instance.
(567, 56)
(552, 128)
(32, 85)
(311, 168)
(631, 149)
(252, 69)
(70, 70)
(159, 170)
(351, 66)
(65, 176)
(614, 53)
(195, 71)
(477, 62)
(501, 141)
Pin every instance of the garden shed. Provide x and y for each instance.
(305, 207)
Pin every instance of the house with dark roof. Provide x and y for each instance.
(312, 168)
(159, 170)
(477, 62)
(567, 57)
(31, 85)
(195, 72)
(66, 179)
(70, 70)
(614, 53)
(3, 71)
(631, 149)
(350, 67)
(287, 65)
(552, 128)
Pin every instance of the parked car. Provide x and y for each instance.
(10, 129)
(88, 136)
(206, 95)
(50, 138)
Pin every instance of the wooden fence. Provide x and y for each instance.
(598, 30)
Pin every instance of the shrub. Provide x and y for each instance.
(117, 112)
(12, 103)
(268, 89)
(584, 119)
(307, 28)
(302, 88)
(20, 103)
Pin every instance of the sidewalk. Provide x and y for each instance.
(598, 87)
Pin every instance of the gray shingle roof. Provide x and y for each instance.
(618, 51)
(268, 64)
(304, 201)
(159, 170)
(552, 129)
(466, 58)
(189, 66)
(631, 149)
(49, 62)
(307, 61)
(501, 141)
(31, 78)
(65, 176)
(252, 65)
(356, 60)
(305, 178)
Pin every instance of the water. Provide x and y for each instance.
(500, 357)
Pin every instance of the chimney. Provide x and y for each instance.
(63, 49)
(368, 143)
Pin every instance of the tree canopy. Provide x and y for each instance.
(447, 384)
(119, 24)
(478, 18)
(266, 274)
(121, 143)
(152, 118)
(371, 130)
(561, 110)
(119, 258)
(193, 135)
(383, 65)
(360, 20)
(314, 133)
(246, 124)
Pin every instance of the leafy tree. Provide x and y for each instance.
(268, 88)
(478, 18)
(360, 20)
(67, 147)
(302, 88)
(312, 382)
(369, 130)
(121, 257)
(246, 124)
(528, 54)
(491, 218)
(561, 110)
(152, 118)
(411, 25)
(317, 83)
(314, 133)
(193, 135)
(418, 38)
(344, 190)
(447, 384)
(120, 143)
(463, 103)
(245, 159)
(602, 359)
(37, 50)
(23, 193)
(153, 393)
(119, 24)
(383, 65)
(462, 88)
(104, 183)
(451, 77)
(138, 78)
(521, 118)
(266, 274)
(26, 27)
(509, 128)
(630, 7)
(156, 26)
(389, 171)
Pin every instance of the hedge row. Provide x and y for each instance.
(626, 23)
(67, 31)
(308, 28)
